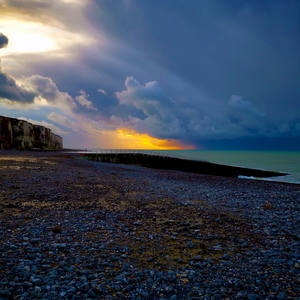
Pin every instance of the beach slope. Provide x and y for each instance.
(76, 229)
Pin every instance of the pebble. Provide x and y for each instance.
(235, 250)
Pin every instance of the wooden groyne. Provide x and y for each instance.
(158, 161)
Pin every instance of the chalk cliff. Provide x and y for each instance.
(19, 134)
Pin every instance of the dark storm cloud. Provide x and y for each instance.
(164, 117)
(47, 89)
(9, 90)
(3, 40)
(40, 88)
(208, 52)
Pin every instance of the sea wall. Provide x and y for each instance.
(20, 134)
(178, 164)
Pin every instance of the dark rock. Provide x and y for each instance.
(84, 287)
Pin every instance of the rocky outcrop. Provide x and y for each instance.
(20, 134)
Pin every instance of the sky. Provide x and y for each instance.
(153, 74)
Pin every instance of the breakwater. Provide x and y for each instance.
(157, 161)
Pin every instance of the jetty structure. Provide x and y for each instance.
(157, 160)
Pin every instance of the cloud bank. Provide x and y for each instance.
(167, 117)
(11, 91)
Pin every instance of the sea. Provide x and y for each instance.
(279, 161)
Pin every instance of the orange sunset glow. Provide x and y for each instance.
(129, 139)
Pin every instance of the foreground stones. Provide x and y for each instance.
(72, 229)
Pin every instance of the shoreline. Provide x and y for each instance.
(101, 230)
(160, 162)
(178, 164)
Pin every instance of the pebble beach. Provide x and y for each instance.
(76, 229)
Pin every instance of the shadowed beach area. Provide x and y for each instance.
(78, 229)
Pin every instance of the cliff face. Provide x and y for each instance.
(19, 134)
